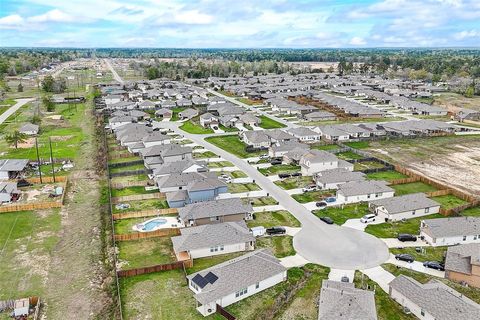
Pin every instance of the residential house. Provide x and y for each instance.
(29, 129)
(433, 300)
(188, 114)
(342, 301)
(257, 139)
(146, 105)
(358, 191)
(216, 211)
(182, 166)
(212, 240)
(208, 120)
(333, 178)
(164, 114)
(462, 264)
(279, 149)
(305, 134)
(8, 192)
(179, 181)
(12, 168)
(315, 161)
(320, 116)
(451, 231)
(196, 190)
(235, 280)
(330, 132)
(404, 207)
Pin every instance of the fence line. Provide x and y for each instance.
(156, 268)
(126, 163)
(224, 313)
(135, 197)
(120, 156)
(45, 179)
(129, 173)
(126, 184)
(145, 235)
(144, 213)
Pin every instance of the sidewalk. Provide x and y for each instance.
(381, 276)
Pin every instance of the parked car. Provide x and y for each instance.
(368, 218)
(275, 162)
(258, 231)
(321, 204)
(309, 188)
(404, 257)
(264, 156)
(434, 265)
(122, 206)
(23, 183)
(406, 237)
(276, 230)
(296, 174)
(345, 279)
(330, 199)
(327, 220)
(284, 175)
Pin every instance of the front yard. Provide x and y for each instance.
(195, 128)
(268, 123)
(261, 201)
(294, 182)
(281, 246)
(269, 219)
(340, 216)
(281, 168)
(233, 145)
(392, 229)
(313, 196)
(430, 254)
(242, 187)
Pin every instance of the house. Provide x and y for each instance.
(8, 192)
(305, 134)
(404, 207)
(279, 149)
(235, 280)
(216, 211)
(333, 178)
(188, 114)
(12, 168)
(462, 264)
(118, 121)
(320, 116)
(29, 129)
(199, 189)
(256, 139)
(208, 120)
(433, 300)
(166, 153)
(315, 161)
(331, 133)
(183, 166)
(145, 105)
(249, 119)
(342, 301)
(451, 231)
(213, 239)
(164, 114)
(156, 138)
(358, 191)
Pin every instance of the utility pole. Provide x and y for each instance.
(51, 159)
(38, 160)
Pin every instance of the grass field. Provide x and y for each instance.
(414, 187)
(313, 196)
(392, 229)
(430, 254)
(281, 246)
(145, 252)
(234, 145)
(386, 175)
(366, 165)
(131, 191)
(340, 216)
(281, 168)
(269, 219)
(349, 155)
(268, 123)
(449, 201)
(261, 201)
(143, 205)
(195, 128)
(203, 155)
(294, 182)
(242, 187)
(358, 144)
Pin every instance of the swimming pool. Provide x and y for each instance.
(153, 224)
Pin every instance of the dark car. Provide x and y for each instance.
(23, 183)
(276, 230)
(275, 162)
(404, 257)
(321, 204)
(406, 237)
(284, 175)
(327, 220)
(296, 174)
(434, 265)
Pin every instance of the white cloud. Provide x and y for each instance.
(54, 15)
(357, 41)
(466, 34)
(11, 21)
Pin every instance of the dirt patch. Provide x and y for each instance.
(29, 143)
(61, 138)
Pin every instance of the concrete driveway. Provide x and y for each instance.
(329, 245)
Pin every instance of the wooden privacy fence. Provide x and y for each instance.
(46, 179)
(129, 173)
(144, 213)
(126, 184)
(145, 235)
(136, 197)
(31, 206)
(224, 313)
(403, 181)
(120, 155)
(125, 164)
(156, 268)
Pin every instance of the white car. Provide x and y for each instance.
(368, 218)
(309, 188)
(264, 156)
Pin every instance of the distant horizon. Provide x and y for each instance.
(245, 48)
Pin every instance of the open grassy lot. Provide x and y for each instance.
(203, 155)
(294, 182)
(449, 201)
(340, 216)
(26, 242)
(269, 219)
(268, 123)
(414, 187)
(282, 246)
(313, 196)
(131, 191)
(143, 205)
(234, 145)
(248, 101)
(469, 292)
(145, 252)
(220, 164)
(281, 168)
(392, 229)
(387, 308)
(430, 254)
(132, 167)
(358, 144)
(127, 179)
(242, 187)
(349, 155)
(195, 128)
(386, 175)
(365, 165)
(261, 201)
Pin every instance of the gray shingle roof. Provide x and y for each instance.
(355, 188)
(13, 164)
(339, 175)
(460, 258)
(449, 227)
(408, 202)
(214, 208)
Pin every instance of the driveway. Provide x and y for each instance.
(338, 274)
(395, 243)
(20, 102)
(416, 266)
(329, 245)
(381, 276)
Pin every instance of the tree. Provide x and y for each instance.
(470, 92)
(48, 84)
(36, 119)
(48, 103)
(15, 138)
(20, 87)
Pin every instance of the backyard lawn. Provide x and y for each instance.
(207, 262)
(133, 167)
(127, 179)
(143, 205)
(234, 145)
(449, 201)
(471, 212)
(269, 219)
(195, 128)
(349, 155)
(358, 144)
(392, 229)
(294, 182)
(131, 191)
(414, 187)
(313, 196)
(268, 123)
(326, 147)
(203, 155)
(261, 201)
(340, 216)
(281, 168)
(281, 246)
(430, 254)
(366, 165)
(242, 187)
(386, 175)
(220, 164)
(146, 252)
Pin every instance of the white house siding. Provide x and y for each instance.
(205, 252)
(309, 168)
(251, 290)
(407, 214)
(115, 125)
(415, 309)
(4, 175)
(450, 241)
(363, 197)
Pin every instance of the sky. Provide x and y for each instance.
(240, 23)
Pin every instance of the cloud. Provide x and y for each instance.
(11, 21)
(467, 34)
(357, 41)
(54, 15)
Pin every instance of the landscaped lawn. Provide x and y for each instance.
(358, 144)
(220, 164)
(294, 182)
(145, 252)
(313, 195)
(366, 165)
(349, 155)
(449, 201)
(131, 191)
(471, 212)
(392, 229)
(282, 246)
(143, 205)
(281, 168)
(228, 129)
(261, 201)
(195, 128)
(203, 155)
(430, 254)
(269, 219)
(122, 160)
(414, 187)
(340, 216)
(242, 187)
(238, 174)
(207, 262)
(386, 175)
(234, 145)
(268, 123)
